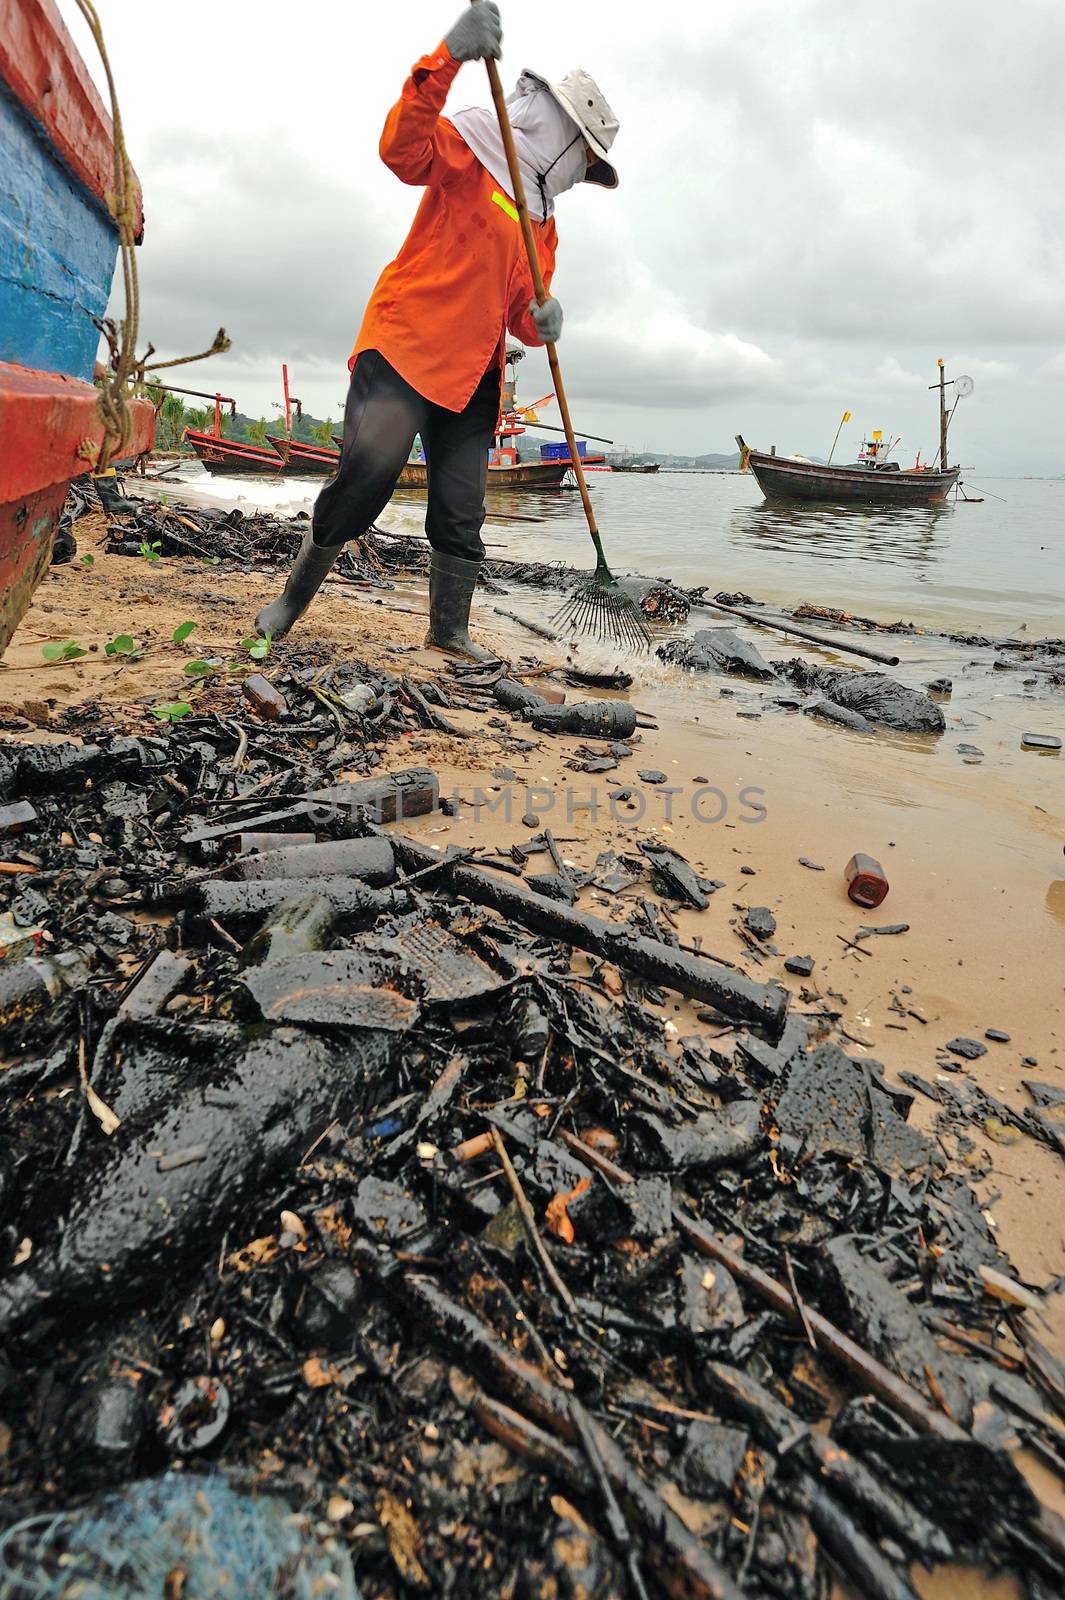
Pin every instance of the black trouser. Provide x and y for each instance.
(382, 415)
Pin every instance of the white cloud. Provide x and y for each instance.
(814, 204)
(1053, 371)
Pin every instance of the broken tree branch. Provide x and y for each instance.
(737, 997)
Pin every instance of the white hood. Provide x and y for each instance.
(549, 142)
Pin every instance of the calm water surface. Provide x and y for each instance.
(990, 567)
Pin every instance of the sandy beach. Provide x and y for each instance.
(540, 1075)
(973, 853)
(770, 804)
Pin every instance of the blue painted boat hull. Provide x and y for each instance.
(57, 254)
(58, 248)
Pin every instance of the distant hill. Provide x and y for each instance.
(707, 463)
(241, 427)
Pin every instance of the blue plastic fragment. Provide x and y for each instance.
(125, 1546)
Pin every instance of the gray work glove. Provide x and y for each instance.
(477, 33)
(548, 319)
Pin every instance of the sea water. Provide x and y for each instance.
(994, 565)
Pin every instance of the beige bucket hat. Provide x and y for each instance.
(582, 99)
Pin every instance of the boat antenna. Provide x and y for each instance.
(846, 417)
(963, 387)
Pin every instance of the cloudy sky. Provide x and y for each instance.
(817, 200)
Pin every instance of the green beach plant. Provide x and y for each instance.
(123, 644)
(63, 650)
(172, 710)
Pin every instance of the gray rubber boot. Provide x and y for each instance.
(304, 581)
(112, 499)
(451, 585)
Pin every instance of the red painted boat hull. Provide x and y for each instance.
(229, 458)
(27, 528)
(50, 424)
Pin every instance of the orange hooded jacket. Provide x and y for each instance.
(440, 311)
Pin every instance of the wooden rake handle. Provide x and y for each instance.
(529, 236)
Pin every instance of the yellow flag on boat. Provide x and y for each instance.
(745, 457)
(878, 434)
(846, 416)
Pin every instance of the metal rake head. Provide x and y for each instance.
(606, 612)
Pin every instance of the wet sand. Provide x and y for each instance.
(973, 853)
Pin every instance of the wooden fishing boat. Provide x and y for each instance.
(792, 478)
(58, 247)
(873, 479)
(505, 471)
(501, 475)
(230, 458)
(526, 475)
(636, 466)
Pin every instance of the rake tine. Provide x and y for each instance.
(606, 613)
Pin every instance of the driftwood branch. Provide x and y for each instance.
(683, 1569)
(737, 997)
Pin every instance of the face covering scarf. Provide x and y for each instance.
(550, 146)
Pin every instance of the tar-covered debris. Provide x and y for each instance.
(371, 1180)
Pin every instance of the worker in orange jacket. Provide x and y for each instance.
(429, 356)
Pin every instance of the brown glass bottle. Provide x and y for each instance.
(867, 883)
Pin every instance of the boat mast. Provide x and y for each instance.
(942, 418)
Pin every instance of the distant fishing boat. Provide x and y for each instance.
(501, 474)
(58, 247)
(285, 456)
(873, 479)
(301, 459)
(635, 466)
(792, 478)
(505, 470)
